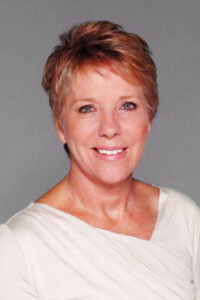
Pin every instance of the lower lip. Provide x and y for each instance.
(110, 157)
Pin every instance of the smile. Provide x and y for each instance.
(113, 153)
(109, 152)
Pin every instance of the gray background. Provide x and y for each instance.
(31, 157)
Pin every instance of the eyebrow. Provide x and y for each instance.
(82, 100)
(93, 99)
(128, 97)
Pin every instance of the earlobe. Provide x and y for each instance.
(60, 132)
(149, 126)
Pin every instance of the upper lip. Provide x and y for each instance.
(109, 147)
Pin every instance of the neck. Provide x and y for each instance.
(99, 198)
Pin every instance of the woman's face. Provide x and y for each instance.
(105, 123)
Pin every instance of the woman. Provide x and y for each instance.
(99, 233)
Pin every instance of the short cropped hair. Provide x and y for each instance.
(98, 45)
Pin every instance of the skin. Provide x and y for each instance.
(105, 111)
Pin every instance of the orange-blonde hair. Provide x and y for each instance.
(98, 45)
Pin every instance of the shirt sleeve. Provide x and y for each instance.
(15, 281)
(196, 251)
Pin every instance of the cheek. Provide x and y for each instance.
(143, 129)
(137, 128)
(79, 130)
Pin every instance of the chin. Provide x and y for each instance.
(113, 177)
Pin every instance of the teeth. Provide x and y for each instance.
(109, 152)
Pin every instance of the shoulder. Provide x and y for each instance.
(9, 246)
(29, 232)
(181, 220)
(21, 224)
(182, 212)
(15, 276)
(16, 241)
(32, 225)
(179, 201)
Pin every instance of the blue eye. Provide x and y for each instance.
(85, 109)
(129, 106)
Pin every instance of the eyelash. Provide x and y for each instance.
(83, 111)
(133, 105)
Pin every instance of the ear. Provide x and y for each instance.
(60, 131)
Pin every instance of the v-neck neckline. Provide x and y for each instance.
(105, 231)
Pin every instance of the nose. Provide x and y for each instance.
(109, 126)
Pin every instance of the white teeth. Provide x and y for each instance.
(109, 152)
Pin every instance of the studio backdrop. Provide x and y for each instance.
(31, 157)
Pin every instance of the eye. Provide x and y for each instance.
(85, 109)
(129, 106)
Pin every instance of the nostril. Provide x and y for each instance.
(109, 129)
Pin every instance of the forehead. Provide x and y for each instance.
(88, 82)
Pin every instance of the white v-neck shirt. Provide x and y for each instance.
(46, 253)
